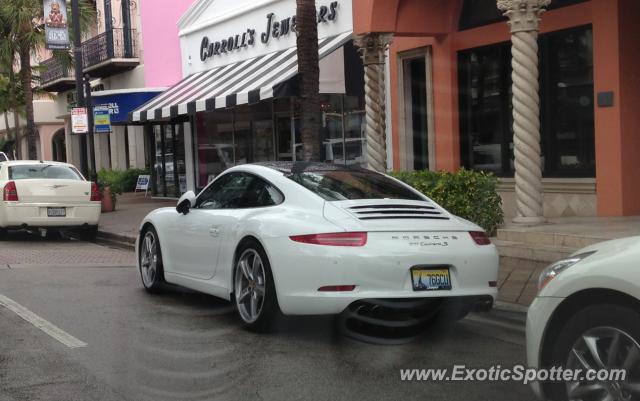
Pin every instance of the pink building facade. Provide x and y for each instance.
(160, 41)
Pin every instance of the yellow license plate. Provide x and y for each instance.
(430, 279)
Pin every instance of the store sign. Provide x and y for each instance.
(275, 28)
(101, 120)
(79, 120)
(56, 29)
(120, 105)
(143, 182)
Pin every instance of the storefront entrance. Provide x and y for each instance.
(169, 166)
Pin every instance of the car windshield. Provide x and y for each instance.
(43, 171)
(338, 185)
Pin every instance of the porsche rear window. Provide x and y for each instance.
(43, 171)
(341, 185)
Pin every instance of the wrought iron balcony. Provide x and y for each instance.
(110, 52)
(55, 76)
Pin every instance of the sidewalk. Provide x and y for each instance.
(123, 223)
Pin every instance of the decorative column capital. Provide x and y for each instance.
(524, 15)
(373, 46)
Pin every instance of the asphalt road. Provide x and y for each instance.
(180, 345)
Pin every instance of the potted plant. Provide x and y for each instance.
(110, 184)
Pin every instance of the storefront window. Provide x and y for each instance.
(158, 166)
(169, 157)
(485, 109)
(215, 144)
(415, 100)
(253, 133)
(267, 130)
(354, 130)
(283, 124)
(567, 123)
(169, 172)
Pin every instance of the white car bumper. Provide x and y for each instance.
(380, 269)
(16, 215)
(538, 316)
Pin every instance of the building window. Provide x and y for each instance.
(416, 132)
(169, 170)
(567, 122)
(477, 13)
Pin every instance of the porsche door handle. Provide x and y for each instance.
(214, 231)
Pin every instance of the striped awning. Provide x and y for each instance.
(245, 82)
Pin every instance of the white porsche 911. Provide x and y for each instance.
(303, 238)
(47, 195)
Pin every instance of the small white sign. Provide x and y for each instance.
(79, 120)
(143, 182)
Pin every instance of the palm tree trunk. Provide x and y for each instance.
(309, 76)
(6, 124)
(16, 134)
(25, 74)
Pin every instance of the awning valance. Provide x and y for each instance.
(244, 82)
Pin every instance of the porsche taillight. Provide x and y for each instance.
(10, 192)
(480, 237)
(95, 193)
(333, 239)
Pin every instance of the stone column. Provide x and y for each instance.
(524, 17)
(373, 49)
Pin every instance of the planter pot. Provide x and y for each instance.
(108, 201)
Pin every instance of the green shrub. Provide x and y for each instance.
(130, 178)
(111, 179)
(471, 195)
(120, 180)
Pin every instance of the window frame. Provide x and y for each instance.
(230, 173)
(546, 118)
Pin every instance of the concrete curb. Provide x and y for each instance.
(117, 240)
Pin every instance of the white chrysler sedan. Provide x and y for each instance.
(307, 238)
(47, 195)
(587, 317)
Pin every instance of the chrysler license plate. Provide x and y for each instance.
(56, 212)
(430, 278)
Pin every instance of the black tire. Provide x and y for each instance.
(604, 315)
(270, 311)
(152, 284)
(89, 234)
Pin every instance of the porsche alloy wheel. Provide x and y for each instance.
(253, 288)
(151, 261)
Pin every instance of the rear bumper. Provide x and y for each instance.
(378, 270)
(34, 215)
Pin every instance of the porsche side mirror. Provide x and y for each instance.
(186, 202)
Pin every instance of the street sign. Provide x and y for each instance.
(101, 120)
(79, 120)
(56, 31)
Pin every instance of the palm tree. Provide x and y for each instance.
(309, 78)
(22, 35)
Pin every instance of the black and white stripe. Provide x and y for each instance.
(244, 82)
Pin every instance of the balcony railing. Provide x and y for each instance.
(108, 53)
(117, 43)
(56, 76)
(54, 69)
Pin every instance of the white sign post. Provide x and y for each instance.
(79, 120)
(143, 184)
